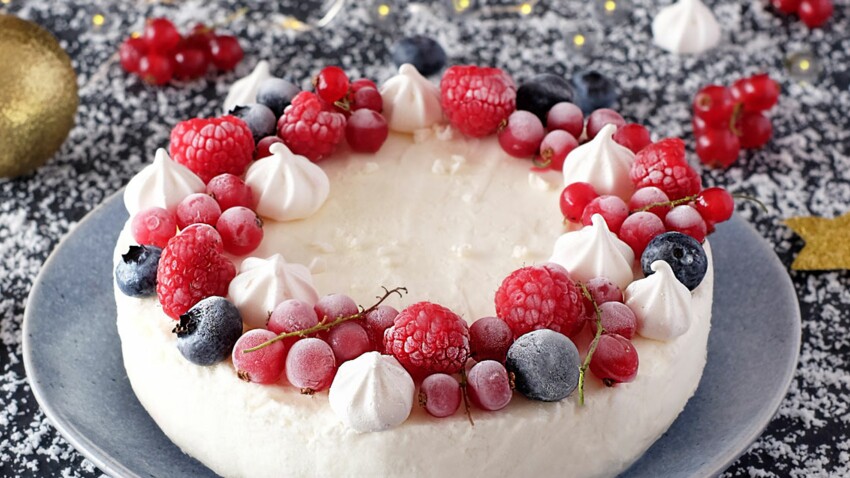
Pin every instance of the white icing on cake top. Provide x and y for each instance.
(287, 186)
(372, 393)
(262, 284)
(164, 183)
(663, 305)
(411, 102)
(594, 251)
(244, 91)
(687, 26)
(603, 163)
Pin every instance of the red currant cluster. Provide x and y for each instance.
(814, 13)
(728, 119)
(523, 135)
(668, 197)
(160, 53)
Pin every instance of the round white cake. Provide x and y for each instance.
(448, 218)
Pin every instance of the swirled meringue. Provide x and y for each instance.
(372, 393)
(663, 305)
(244, 91)
(594, 251)
(163, 183)
(287, 186)
(262, 284)
(687, 26)
(603, 163)
(411, 102)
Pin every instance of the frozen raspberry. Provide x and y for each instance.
(664, 166)
(311, 127)
(212, 146)
(428, 338)
(476, 99)
(539, 297)
(192, 268)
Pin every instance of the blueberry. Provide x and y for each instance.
(682, 252)
(260, 119)
(276, 94)
(135, 274)
(420, 51)
(594, 90)
(545, 365)
(208, 331)
(541, 93)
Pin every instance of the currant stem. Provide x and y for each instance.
(465, 393)
(582, 371)
(329, 325)
(673, 203)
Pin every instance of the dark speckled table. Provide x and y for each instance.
(805, 170)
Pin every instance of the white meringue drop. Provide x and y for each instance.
(244, 91)
(687, 26)
(662, 305)
(594, 251)
(262, 284)
(287, 186)
(411, 102)
(372, 393)
(163, 183)
(603, 163)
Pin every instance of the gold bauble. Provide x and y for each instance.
(38, 96)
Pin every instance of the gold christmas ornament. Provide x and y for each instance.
(38, 96)
(827, 247)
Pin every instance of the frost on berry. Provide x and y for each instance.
(310, 365)
(489, 386)
(428, 338)
(476, 100)
(261, 366)
(489, 339)
(440, 395)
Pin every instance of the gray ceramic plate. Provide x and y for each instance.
(73, 359)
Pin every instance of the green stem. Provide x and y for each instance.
(329, 325)
(582, 371)
(747, 197)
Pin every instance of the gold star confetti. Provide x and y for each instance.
(827, 247)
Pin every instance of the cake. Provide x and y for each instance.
(447, 214)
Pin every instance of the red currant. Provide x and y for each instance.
(153, 226)
(640, 228)
(575, 198)
(489, 339)
(362, 83)
(440, 395)
(755, 128)
(612, 208)
(600, 118)
(555, 147)
(715, 205)
(650, 195)
(567, 117)
(131, 52)
(226, 52)
(348, 341)
(198, 208)
(310, 365)
(230, 191)
(332, 84)
(718, 147)
(687, 220)
(261, 366)
(200, 38)
(489, 385)
(786, 6)
(698, 125)
(632, 136)
(714, 104)
(617, 318)
(155, 69)
(190, 63)
(161, 35)
(367, 98)
(757, 93)
(522, 134)
(366, 131)
(263, 145)
(814, 13)
(241, 230)
(615, 360)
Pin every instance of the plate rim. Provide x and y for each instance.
(111, 466)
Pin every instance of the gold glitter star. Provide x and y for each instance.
(827, 247)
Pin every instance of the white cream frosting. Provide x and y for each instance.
(687, 26)
(262, 284)
(287, 186)
(662, 305)
(372, 393)
(244, 91)
(411, 102)
(163, 183)
(250, 428)
(595, 251)
(603, 163)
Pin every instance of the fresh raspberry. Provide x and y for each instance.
(212, 146)
(476, 99)
(192, 268)
(428, 338)
(540, 297)
(664, 166)
(310, 127)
